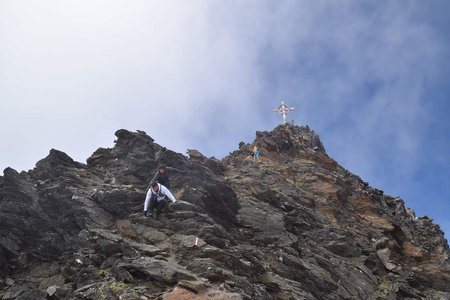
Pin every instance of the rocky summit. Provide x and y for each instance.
(292, 225)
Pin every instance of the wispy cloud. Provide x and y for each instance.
(77, 71)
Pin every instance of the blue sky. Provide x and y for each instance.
(371, 77)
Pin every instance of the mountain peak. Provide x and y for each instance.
(294, 225)
(290, 139)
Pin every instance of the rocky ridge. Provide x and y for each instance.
(294, 226)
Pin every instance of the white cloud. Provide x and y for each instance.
(78, 71)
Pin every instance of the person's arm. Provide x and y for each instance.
(165, 191)
(174, 169)
(147, 198)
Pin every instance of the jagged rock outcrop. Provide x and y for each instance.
(294, 226)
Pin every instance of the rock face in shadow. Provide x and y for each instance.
(294, 225)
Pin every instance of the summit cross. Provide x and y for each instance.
(283, 110)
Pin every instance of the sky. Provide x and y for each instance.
(372, 78)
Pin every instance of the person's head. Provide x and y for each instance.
(154, 186)
(162, 168)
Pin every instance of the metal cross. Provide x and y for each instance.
(283, 110)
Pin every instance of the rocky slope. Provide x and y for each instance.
(294, 226)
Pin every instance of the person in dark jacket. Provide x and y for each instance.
(161, 176)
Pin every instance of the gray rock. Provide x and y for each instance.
(294, 226)
(51, 290)
(12, 293)
(34, 294)
(157, 270)
(195, 155)
(63, 291)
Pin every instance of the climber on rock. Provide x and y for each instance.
(161, 176)
(254, 154)
(156, 195)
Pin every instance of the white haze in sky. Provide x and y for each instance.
(367, 76)
(74, 72)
